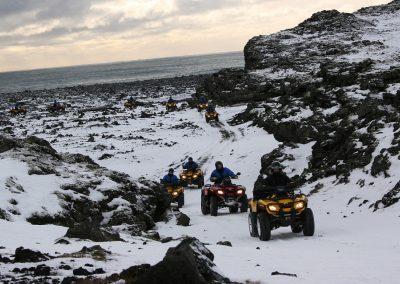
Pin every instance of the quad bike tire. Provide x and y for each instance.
(205, 207)
(263, 226)
(252, 219)
(181, 200)
(244, 205)
(201, 182)
(217, 119)
(207, 120)
(296, 228)
(233, 209)
(308, 222)
(214, 206)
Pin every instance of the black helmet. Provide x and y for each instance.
(276, 166)
(190, 159)
(171, 171)
(219, 165)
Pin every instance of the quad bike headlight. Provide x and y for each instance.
(273, 208)
(299, 205)
(195, 176)
(240, 191)
(175, 193)
(220, 192)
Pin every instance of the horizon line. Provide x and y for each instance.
(117, 62)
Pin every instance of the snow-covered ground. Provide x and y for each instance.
(352, 244)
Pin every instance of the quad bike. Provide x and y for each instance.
(225, 194)
(17, 111)
(56, 108)
(201, 107)
(171, 106)
(129, 105)
(210, 116)
(281, 209)
(177, 194)
(190, 178)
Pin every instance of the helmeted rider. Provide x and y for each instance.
(170, 179)
(203, 100)
(210, 107)
(171, 100)
(130, 99)
(276, 177)
(55, 103)
(190, 165)
(220, 173)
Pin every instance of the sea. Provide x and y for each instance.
(118, 72)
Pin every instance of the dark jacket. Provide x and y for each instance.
(203, 100)
(191, 166)
(219, 175)
(210, 108)
(170, 180)
(264, 187)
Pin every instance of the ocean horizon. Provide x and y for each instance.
(118, 72)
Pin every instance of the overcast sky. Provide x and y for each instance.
(49, 33)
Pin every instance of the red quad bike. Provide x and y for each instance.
(225, 194)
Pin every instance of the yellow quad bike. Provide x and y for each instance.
(177, 194)
(171, 106)
(201, 107)
(17, 111)
(281, 209)
(129, 105)
(210, 116)
(192, 178)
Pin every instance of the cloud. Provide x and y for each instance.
(159, 27)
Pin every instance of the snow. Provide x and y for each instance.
(361, 248)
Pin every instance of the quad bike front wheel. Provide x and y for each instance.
(181, 200)
(252, 219)
(214, 206)
(263, 226)
(308, 222)
(244, 205)
(205, 207)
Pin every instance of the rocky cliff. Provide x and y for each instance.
(330, 88)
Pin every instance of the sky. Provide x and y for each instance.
(51, 33)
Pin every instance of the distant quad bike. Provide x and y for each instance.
(192, 178)
(171, 106)
(212, 116)
(18, 111)
(129, 105)
(201, 107)
(221, 195)
(281, 209)
(56, 108)
(177, 194)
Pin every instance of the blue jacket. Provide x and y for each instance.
(191, 166)
(170, 180)
(220, 175)
(203, 100)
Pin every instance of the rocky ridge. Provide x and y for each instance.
(331, 85)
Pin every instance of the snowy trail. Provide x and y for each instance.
(360, 248)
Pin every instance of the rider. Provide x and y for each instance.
(171, 100)
(55, 103)
(190, 165)
(203, 100)
(170, 178)
(210, 107)
(130, 99)
(277, 177)
(220, 173)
